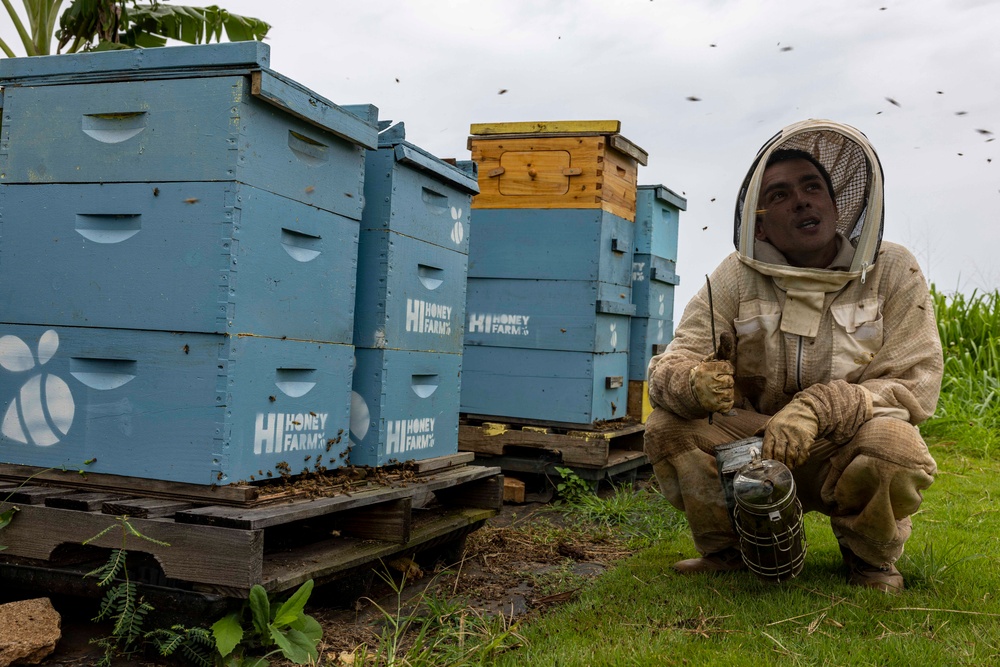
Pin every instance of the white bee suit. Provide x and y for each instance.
(858, 338)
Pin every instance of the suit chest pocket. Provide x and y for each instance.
(857, 337)
(758, 344)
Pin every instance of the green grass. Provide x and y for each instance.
(642, 613)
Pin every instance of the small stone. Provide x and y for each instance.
(29, 631)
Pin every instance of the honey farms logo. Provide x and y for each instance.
(43, 410)
(457, 231)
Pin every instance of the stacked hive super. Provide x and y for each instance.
(550, 269)
(653, 279)
(412, 264)
(178, 249)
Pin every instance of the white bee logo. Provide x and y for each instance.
(614, 336)
(43, 410)
(659, 331)
(360, 418)
(458, 231)
(663, 304)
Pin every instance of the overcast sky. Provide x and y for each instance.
(754, 65)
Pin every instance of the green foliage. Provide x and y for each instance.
(195, 644)
(122, 605)
(571, 489)
(639, 517)
(434, 630)
(969, 408)
(109, 24)
(284, 628)
(935, 569)
(5, 518)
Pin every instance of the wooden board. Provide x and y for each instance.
(548, 127)
(639, 407)
(297, 510)
(582, 448)
(199, 554)
(235, 495)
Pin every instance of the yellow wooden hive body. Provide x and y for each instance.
(559, 164)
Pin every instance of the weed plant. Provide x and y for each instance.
(639, 518)
(433, 630)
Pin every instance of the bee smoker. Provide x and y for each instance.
(764, 509)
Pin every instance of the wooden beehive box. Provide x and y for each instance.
(561, 164)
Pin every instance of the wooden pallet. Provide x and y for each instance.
(221, 549)
(596, 448)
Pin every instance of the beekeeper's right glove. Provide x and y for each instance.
(712, 384)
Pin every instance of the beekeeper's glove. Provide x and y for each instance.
(834, 411)
(790, 433)
(712, 384)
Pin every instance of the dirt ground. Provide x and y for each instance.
(521, 562)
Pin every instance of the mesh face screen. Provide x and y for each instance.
(848, 169)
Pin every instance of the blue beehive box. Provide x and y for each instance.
(195, 113)
(413, 253)
(404, 406)
(199, 257)
(656, 220)
(183, 407)
(555, 386)
(551, 244)
(410, 294)
(649, 337)
(653, 281)
(410, 191)
(576, 315)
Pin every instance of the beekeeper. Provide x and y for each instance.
(837, 359)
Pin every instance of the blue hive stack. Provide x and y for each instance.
(550, 262)
(178, 246)
(653, 279)
(412, 267)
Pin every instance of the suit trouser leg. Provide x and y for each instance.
(681, 452)
(874, 483)
(869, 486)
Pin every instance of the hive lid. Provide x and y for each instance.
(666, 194)
(394, 136)
(561, 128)
(357, 125)
(78, 67)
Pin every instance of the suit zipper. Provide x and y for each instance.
(798, 365)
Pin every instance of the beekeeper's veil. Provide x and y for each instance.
(857, 189)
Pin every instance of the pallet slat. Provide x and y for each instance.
(273, 515)
(199, 554)
(581, 448)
